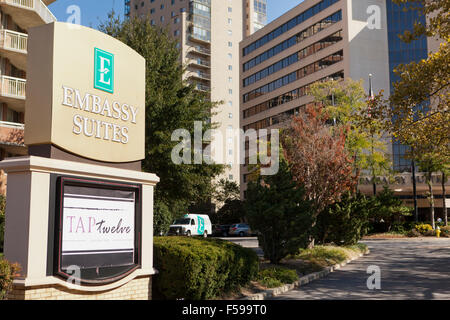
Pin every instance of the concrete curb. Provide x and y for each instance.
(300, 282)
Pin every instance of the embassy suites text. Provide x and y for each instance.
(91, 103)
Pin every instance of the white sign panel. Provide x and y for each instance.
(95, 225)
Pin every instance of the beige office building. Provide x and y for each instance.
(327, 39)
(208, 33)
(17, 16)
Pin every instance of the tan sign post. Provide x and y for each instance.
(78, 220)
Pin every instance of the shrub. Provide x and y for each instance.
(276, 276)
(8, 272)
(402, 227)
(198, 269)
(413, 233)
(430, 233)
(423, 228)
(345, 222)
(445, 232)
(2, 221)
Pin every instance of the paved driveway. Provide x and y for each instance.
(410, 269)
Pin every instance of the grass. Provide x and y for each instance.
(276, 276)
(387, 235)
(316, 259)
(305, 262)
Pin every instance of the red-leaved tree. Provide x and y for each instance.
(318, 158)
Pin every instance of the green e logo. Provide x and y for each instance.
(104, 71)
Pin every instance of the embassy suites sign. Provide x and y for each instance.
(90, 104)
(85, 94)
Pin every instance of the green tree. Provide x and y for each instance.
(318, 159)
(277, 210)
(419, 104)
(429, 164)
(445, 171)
(387, 208)
(226, 190)
(171, 103)
(163, 218)
(349, 107)
(346, 221)
(233, 211)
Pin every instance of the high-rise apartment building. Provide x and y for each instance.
(16, 17)
(255, 16)
(319, 40)
(208, 34)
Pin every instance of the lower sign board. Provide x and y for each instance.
(97, 229)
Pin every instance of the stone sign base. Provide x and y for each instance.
(137, 289)
(28, 239)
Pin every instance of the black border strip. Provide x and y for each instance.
(57, 183)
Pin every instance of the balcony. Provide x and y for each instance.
(200, 75)
(203, 88)
(28, 13)
(11, 138)
(200, 50)
(13, 45)
(12, 92)
(199, 63)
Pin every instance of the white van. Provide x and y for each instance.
(191, 225)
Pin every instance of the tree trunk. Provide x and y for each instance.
(373, 172)
(444, 206)
(430, 189)
(416, 209)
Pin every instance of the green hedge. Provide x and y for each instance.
(199, 269)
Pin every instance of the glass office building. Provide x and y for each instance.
(400, 52)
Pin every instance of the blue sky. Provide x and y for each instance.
(93, 11)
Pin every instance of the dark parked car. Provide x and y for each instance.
(240, 229)
(221, 230)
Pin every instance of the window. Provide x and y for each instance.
(230, 55)
(176, 33)
(230, 115)
(230, 103)
(293, 40)
(152, 10)
(230, 91)
(230, 67)
(230, 32)
(162, 18)
(328, 41)
(162, 7)
(230, 44)
(230, 21)
(230, 9)
(230, 79)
